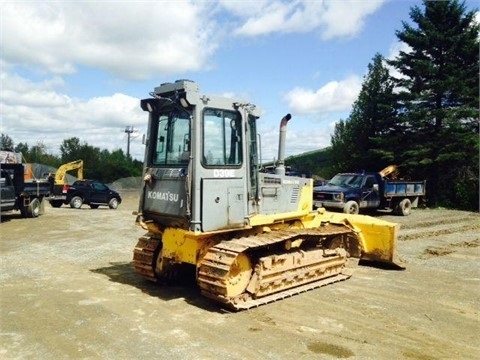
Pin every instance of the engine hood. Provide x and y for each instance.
(330, 189)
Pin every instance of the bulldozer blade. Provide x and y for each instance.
(378, 238)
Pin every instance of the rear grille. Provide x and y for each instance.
(295, 195)
(272, 180)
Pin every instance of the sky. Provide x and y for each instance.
(79, 68)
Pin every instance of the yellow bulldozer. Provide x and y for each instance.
(249, 236)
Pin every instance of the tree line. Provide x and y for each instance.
(420, 110)
(101, 165)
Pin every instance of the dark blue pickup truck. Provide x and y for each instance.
(351, 192)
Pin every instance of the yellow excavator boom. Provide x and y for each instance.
(60, 175)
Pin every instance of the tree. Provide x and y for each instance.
(71, 149)
(6, 142)
(364, 140)
(439, 94)
(22, 148)
(342, 146)
(98, 164)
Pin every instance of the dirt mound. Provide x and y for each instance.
(128, 183)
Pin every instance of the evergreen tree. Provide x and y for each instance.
(342, 147)
(364, 140)
(439, 97)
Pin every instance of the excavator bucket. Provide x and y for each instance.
(378, 238)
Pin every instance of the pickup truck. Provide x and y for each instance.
(20, 194)
(351, 192)
(92, 193)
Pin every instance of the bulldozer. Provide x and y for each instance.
(249, 237)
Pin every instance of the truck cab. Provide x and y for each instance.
(349, 192)
(7, 189)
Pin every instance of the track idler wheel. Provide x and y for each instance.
(237, 279)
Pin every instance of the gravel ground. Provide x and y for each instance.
(68, 291)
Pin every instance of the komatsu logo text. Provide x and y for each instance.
(166, 196)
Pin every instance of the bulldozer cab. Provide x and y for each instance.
(202, 169)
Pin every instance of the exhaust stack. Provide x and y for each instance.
(280, 169)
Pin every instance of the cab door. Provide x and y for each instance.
(99, 193)
(7, 192)
(223, 184)
(370, 193)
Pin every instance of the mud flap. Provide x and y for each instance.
(42, 206)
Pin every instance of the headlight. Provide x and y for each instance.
(338, 197)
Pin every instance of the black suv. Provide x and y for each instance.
(93, 193)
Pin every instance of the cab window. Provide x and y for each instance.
(222, 143)
(370, 182)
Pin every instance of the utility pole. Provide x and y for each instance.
(128, 130)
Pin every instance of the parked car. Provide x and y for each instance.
(93, 193)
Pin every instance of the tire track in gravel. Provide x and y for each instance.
(440, 225)
(441, 219)
(447, 229)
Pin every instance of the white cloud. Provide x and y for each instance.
(332, 18)
(335, 96)
(346, 18)
(33, 112)
(299, 138)
(394, 52)
(396, 48)
(143, 40)
(132, 40)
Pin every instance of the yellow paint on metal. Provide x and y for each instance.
(180, 245)
(306, 197)
(377, 237)
(238, 276)
(257, 220)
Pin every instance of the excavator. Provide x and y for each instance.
(248, 237)
(59, 184)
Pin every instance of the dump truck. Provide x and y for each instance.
(245, 236)
(355, 191)
(18, 194)
(59, 183)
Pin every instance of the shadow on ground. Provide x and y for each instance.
(185, 287)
